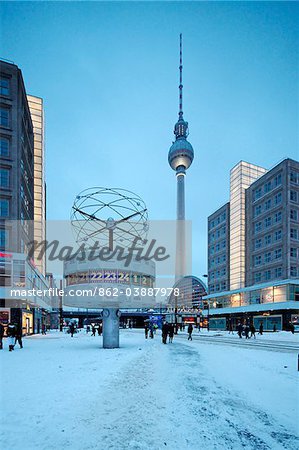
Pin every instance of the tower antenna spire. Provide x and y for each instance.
(181, 79)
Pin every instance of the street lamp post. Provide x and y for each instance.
(208, 318)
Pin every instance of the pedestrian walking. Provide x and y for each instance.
(171, 332)
(261, 330)
(1, 335)
(274, 328)
(230, 328)
(19, 335)
(190, 329)
(44, 328)
(252, 330)
(291, 327)
(11, 335)
(146, 331)
(247, 328)
(239, 330)
(164, 332)
(72, 329)
(151, 331)
(93, 330)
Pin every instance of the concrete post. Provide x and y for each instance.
(110, 328)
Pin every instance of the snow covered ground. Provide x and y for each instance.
(62, 392)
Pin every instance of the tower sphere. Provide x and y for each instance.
(180, 154)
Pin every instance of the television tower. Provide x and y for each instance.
(180, 158)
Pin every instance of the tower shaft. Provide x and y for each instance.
(180, 262)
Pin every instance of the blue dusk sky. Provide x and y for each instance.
(108, 74)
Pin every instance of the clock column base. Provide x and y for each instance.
(110, 328)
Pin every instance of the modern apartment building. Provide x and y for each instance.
(263, 242)
(272, 219)
(219, 249)
(21, 199)
(226, 232)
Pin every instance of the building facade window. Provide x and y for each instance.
(4, 86)
(267, 187)
(4, 146)
(258, 260)
(294, 214)
(294, 196)
(4, 117)
(293, 252)
(268, 239)
(257, 193)
(277, 217)
(267, 257)
(277, 180)
(4, 207)
(278, 272)
(268, 222)
(258, 243)
(294, 177)
(278, 253)
(293, 271)
(4, 237)
(4, 178)
(278, 235)
(278, 198)
(258, 227)
(267, 275)
(268, 204)
(257, 210)
(257, 277)
(294, 233)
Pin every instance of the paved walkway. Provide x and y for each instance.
(60, 392)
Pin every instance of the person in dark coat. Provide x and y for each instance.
(1, 335)
(292, 328)
(93, 330)
(252, 330)
(261, 328)
(146, 330)
(44, 328)
(190, 329)
(11, 335)
(151, 330)
(72, 329)
(246, 330)
(164, 332)
(171, 332)
(239, 330)
(19, 335)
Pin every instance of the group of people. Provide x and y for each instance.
(14, 335)
(168, 331)
(149, 330)
(95, 329)
(98, 329)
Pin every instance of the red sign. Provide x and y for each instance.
(5, 255)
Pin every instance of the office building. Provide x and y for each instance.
(263, 241)
(21, 175)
